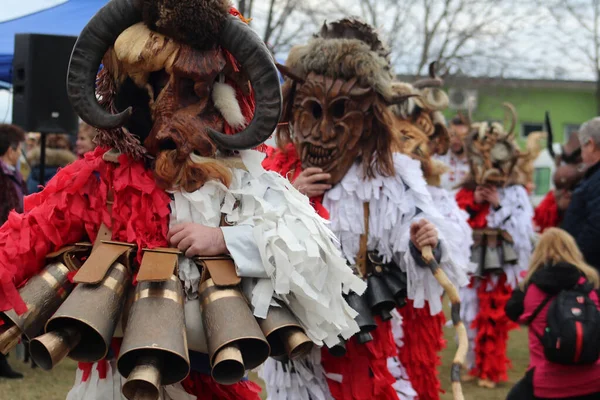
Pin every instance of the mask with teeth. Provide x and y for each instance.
(331, 119)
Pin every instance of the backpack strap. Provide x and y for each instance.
(538, 309)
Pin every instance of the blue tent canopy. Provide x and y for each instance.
(67, 18)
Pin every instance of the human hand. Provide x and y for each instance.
(563, 198)
(308, 184)
(490, 194)
(478, 195)
(423, 233)
(197, 240)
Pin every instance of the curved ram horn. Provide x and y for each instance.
(513, 116)
(550, 139)
(432, 81)
(256, 60)
(98, 35)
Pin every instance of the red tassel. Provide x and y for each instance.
(205, 388)
(423, 340)
(492, 326)
(364, 367)
(478, 212)
(546, 213)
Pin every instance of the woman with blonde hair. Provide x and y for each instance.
(556, 265)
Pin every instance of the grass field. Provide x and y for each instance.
(41, 385)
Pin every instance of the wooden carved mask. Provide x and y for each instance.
(330, 120)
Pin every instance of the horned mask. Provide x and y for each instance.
(337, 100)
(492, 150)
(174, 73)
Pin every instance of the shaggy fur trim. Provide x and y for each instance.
(194, 22)
(343, 59)
(225, 101)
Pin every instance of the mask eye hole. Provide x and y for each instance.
(338, 109)
(317, 111)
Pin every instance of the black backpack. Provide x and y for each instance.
(572, 332)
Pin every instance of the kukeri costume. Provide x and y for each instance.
(502, 245)
(183, 72)
(569, 172)
(337, 117)
(422, 129)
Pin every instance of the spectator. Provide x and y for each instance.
(58, 154)
(456, 158)
(12, 190)
(85, 139)
(582, 219)
(556, 265)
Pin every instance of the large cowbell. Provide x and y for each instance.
(284, 333)
(42, 294)
(154, 352)
(235, 341)
(84, 324)
(491, 260)
(364, 319)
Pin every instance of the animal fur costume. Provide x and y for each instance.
(569, 172)
(422, 130)
(176, 75)
(492, 155)
(337, 117)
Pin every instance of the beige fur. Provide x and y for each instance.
(345, 59)
(223, 96)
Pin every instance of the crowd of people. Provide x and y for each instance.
(175, 250)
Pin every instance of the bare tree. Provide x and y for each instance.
(577, 34)
(470, 36)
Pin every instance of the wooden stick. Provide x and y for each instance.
(461, 331)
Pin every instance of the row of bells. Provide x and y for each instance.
(386, 290)
(80, 321)
(492, 249)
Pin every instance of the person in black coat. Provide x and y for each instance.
(582, 219)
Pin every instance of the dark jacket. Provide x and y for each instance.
(582, 219)
(9, 198)
(55, 159)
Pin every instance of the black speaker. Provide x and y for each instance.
(40, 102)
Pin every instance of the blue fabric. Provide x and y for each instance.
(65, 19)
(582, 219)
(33, 181)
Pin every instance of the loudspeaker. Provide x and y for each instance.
(40, 102)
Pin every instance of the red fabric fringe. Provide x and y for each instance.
(546, 213)
(205, 388)
(478, 212)
(492, 326)
(71, 208)
(364, 367)
(423, 339)
(287, 164)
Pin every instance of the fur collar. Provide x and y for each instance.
(554, 278)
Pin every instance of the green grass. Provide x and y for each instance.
(54, 385)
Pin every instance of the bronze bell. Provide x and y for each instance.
(154, 350)
(43, 294)
(84, 324)
(235, 341)
(477, 249)
(379, 297)
(284, 333)
(492, 252)
(508, 249)
(339, 350)
(364, 319)
(396, 281)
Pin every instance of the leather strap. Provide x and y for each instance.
(158, 265)
(221, 269)
(102, 258)
(361, 257)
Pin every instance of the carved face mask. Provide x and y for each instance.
(492, 154)
(331, 118)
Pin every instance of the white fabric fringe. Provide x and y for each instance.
(96, 388)
(297, 250)
(394, 203)
(302, 380)
(516, 217)
(402, 386)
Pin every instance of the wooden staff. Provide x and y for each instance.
(461, 331)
